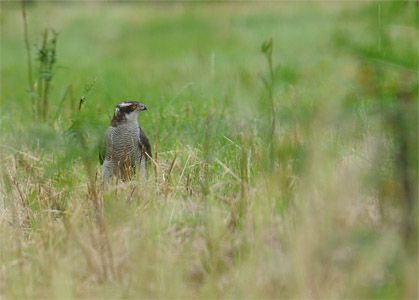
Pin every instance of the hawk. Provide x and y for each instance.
(125, 147)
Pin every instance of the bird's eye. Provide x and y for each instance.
(134, 106)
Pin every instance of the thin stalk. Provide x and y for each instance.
(171, 165)
(29, 61)
(155, 151)
(294, 119)
(42, 69)
(206, 154)
(267, 47)
(49, 63)
(271, 97)
(72, 98)
(45, 101)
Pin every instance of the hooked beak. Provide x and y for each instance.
(142, 107)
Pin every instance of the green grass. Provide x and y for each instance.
(242, 213)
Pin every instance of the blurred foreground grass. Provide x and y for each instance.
(230, 211)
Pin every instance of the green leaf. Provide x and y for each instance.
(266, 45)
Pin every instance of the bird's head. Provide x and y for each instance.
(127, 111)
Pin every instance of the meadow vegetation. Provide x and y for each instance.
(285, 142)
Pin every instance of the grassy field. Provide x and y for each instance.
(290, 179)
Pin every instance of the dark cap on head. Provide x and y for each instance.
(126, 107)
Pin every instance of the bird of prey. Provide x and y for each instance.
(125, 147)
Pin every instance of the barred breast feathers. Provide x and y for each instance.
(124, 143)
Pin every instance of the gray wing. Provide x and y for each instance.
(144, 142)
